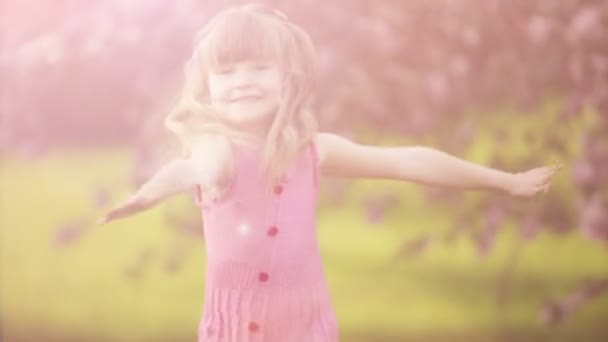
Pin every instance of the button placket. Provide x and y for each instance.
(271, 232)
(253, 327)
(278, 189)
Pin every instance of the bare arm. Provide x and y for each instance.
(341, 157)
(434, 167)
(177, 176)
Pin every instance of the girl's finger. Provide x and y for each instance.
(102, 220)
(545, 177)
(551, 171)
(540, 188)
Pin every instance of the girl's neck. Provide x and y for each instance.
(256, 134)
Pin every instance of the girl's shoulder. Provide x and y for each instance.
(323, 141)
(209, 155)
(205, 147)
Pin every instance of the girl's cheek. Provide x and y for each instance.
(218, 95)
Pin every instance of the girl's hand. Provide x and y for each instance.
(103, 220)
(126, 208)
(174, 177)
(110, 215)
(532, 182)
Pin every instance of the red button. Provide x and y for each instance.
(253, 327)
(263, 276)
(273, 231)
(278, 189)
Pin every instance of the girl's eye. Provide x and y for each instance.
(223, 70)
(261, 67)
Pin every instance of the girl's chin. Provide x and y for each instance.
(247, 116)
(243, 120)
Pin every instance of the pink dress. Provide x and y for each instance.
(264, 276)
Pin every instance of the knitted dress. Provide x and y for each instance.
(264, 278)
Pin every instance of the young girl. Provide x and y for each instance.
(253, 156)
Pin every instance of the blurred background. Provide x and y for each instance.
(511, 84)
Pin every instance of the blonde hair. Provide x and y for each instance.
(235, 34)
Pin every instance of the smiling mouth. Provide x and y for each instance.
(246, 98)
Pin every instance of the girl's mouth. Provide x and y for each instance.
(245, 99)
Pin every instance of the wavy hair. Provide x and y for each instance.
(235, 34)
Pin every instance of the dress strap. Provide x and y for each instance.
(198, 195)
(315, 164)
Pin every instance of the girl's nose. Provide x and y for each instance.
(243, 79)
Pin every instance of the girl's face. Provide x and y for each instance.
(248, 92)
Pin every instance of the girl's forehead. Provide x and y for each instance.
(252, 61)
(244, 37)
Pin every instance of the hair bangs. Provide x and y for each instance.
(241, 35)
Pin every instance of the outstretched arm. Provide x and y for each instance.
(342, 157)
(175, 177)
